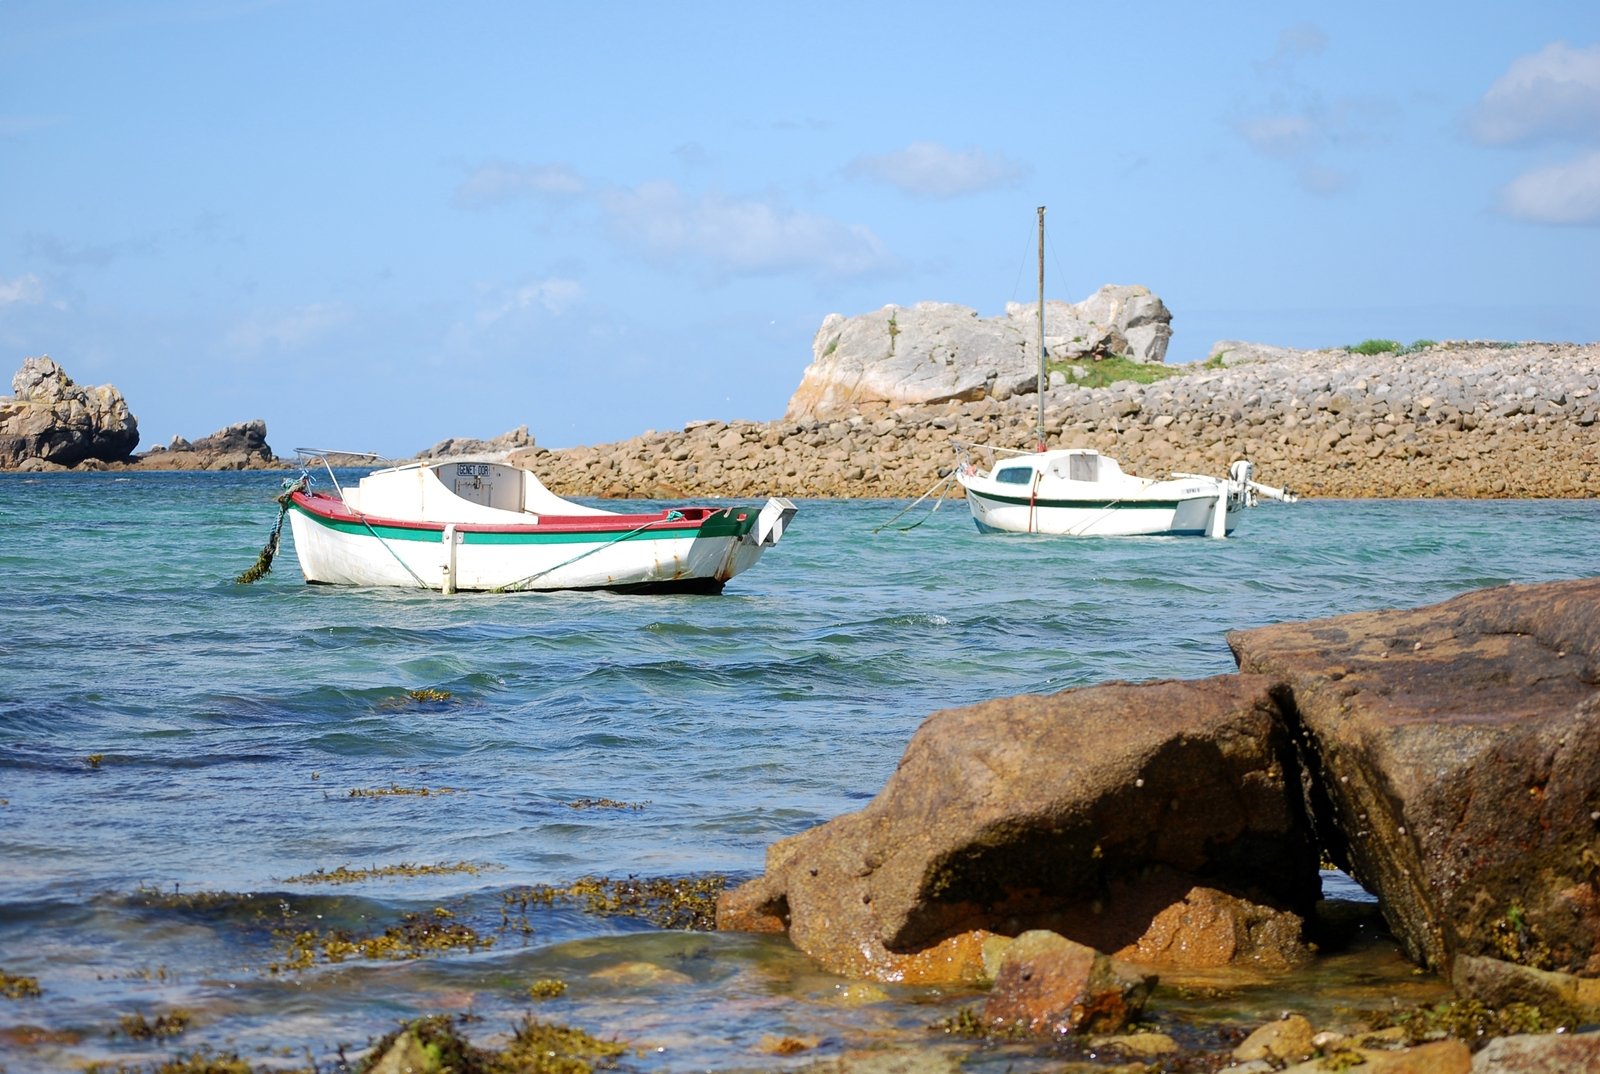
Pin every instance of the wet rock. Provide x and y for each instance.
(1001, 819)
(1453, 756)
(53, 420)
(1546, 1053)
(1207, 927)
(1563, 997)
(1439, 1057)
(1050, 986)
(1287, 1040)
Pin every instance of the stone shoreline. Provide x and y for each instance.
(1458, 420)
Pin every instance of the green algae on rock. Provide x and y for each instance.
(404, 870)
(666, 902)
(16, 986)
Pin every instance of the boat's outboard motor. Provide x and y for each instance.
(1242, 475)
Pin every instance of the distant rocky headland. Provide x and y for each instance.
(890, 394)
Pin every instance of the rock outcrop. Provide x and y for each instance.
(515, 440)
(51, 421)
(936, 352)
(1465, 420)
(1454, 752)
(242, 446)
(1448, 756)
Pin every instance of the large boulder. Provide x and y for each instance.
(50, 419)
(937, 352)
(1091, 813)
(1453, 756)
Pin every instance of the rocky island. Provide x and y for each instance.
(892, 396)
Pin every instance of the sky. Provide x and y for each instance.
(376, 225)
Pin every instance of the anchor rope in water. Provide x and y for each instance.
(939, 486)
(512, 587)
(263, 564)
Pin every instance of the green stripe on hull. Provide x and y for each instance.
(1085, 505)
(718, 525)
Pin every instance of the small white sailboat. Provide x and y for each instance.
(1079, 492)
(484, 524)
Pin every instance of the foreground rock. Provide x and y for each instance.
(51, 421)
(1454, 754)
(1103, 814)
(1448, 756)
(937, 352)
(1049, 986)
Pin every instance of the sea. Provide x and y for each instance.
(204, 784)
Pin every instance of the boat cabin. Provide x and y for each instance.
(1070, 464)
(458, 490)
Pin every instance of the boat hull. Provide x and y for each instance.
(1170, 517)
(645, 552)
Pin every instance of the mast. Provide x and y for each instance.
(1040, 441)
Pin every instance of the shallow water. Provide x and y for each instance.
(583, 734)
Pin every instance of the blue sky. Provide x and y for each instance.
(378, 224)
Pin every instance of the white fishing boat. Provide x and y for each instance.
(481, 524)
(1078, 492)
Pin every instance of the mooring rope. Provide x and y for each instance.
(393, 553)
(512, 587)
(938, 486)
(263, 563)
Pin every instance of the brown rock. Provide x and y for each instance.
(1050, 986)
(1496, 983)
(1455, 761)
(1440, 1057)
(1546, 1053)
(1286, 1040)
(1001, 819)
(1207, 927)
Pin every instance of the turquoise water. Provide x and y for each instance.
(582, 734)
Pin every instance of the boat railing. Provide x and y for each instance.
(327, 458)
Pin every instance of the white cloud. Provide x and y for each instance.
(928, 169)
(1558, 194)
(1325, 181)
(735, 235)
(288, 330)
(1280, 136)
(554, 295)
(494, 184)
(1302, 39)
(24, 290)
(1551, 94)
